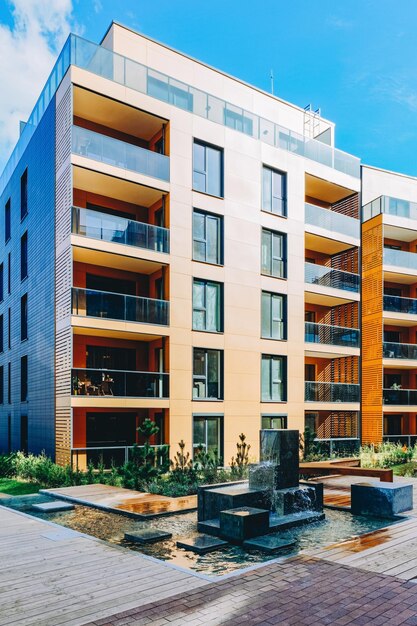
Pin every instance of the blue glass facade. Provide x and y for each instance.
(39, 159)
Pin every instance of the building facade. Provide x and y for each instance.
(182, 246)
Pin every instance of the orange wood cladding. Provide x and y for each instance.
(372, 330)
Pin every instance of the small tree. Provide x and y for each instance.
(141, 466)
(182, 462)
(240, 463)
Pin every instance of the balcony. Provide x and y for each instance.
(120, 383)
(107, 227)
(390, 206)
(331, 392)
(92, 145)
(400, 258)
(397, 304)
(116, 306)
(113, 455)
(399, 350)
(331, 335)
(328, 277)
(404, 397)
(332, 221)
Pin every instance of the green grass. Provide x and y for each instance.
(14, 487)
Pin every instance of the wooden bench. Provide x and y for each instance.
(345, 468)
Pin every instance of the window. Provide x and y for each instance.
(273, 307)
(207, 374)
(24, 433)
(274, 254)
(274, 421)
(24, 317)
(9, 433)
(207, 237)
(274, 191)
(1, 384)
(9, 273)
(9, 328)
(207, 169)
(207, 306)
(24, 256)
(23, 378)
(208, 434)
(24, 194)
(273, 378)
(1, 282)
(9, 383)
(7, 221)
(1, 334)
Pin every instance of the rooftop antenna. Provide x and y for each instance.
(272, 81)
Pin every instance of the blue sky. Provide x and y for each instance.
(355, 59)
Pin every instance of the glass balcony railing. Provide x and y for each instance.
(328, 277)
(112, 151)
(99, 452)
(390, 206)
(400, 396)
(107, 227)
(399, 350)
(331, 392)
(398, 304)
(332, 221)
(116, 306)
(400, 258)
(108, 64)
(331, 335)
(93, 382)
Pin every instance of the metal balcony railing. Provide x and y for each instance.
(331, 335)
(116, 306)
(331, 392)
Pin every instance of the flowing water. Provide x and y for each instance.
(110, 527)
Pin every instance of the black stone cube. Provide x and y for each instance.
(242, 523)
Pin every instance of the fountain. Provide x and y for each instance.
(272, 500)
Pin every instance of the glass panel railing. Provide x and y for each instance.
(107, 227)
(116, 306)
(405, 440)
(332, 221)
(112, 151)
(400, 305)
(390, 206)
(400, 396)
(328, 277)
(399, 350)
(331, 392)
(99, 452)
(400, 258)
(94, 382)
(331, 335)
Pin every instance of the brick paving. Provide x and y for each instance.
(302, 591)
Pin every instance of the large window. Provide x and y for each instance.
(24, 317)
(208, 434)
(207, 306)
(274, 253)
(273, 316)
(207, 237)
(9, 328)
(9, 273)
(274, 421)
(9, 383)
(274, 191)
(24, 194)
(23, 378)
(207, 374)
(7, 220)
(1, 384)
(24, 256)
(207, 169)
(1, 334)
(1, 282)
(273, 378)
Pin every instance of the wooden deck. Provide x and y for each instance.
(53, 576)
(119, 500)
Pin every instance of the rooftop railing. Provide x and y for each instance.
(117, 306)
(108, 64)
(112, 151)
(108, 227)
(332, 221)
(328, 277)
(390, 206)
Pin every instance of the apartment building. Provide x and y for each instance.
(182, 246)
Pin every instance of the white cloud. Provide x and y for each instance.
(28, 51)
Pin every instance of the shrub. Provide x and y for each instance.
(7, 465)
(239, 465)
(385, 455)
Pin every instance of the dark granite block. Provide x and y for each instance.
(150, 535)
(243, 523)
(279, 522)
(202, 544)
(232, 497)
(381, 499)
(268, 543)
(53, 507)
(294, 500)
(281, 448)
(209, 527)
